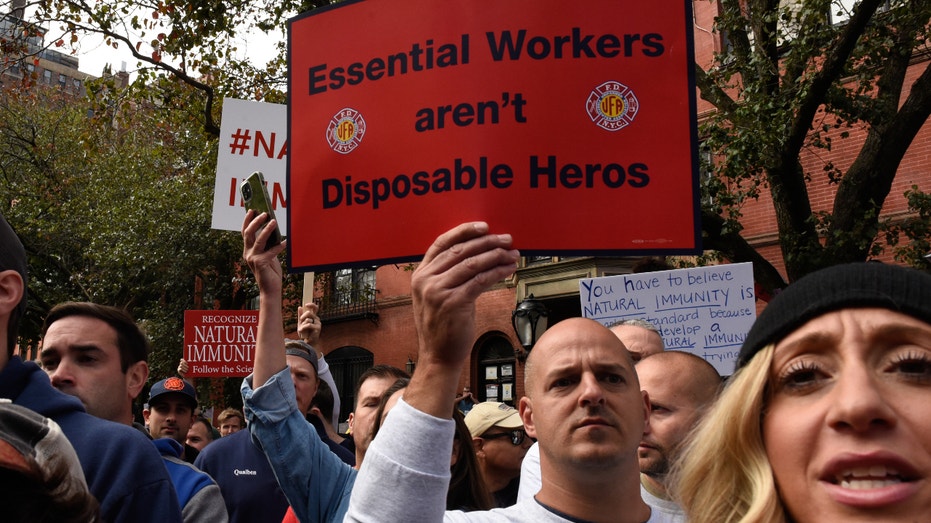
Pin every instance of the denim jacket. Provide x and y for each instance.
(316, 482)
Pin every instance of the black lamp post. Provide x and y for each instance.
(410, 365)
(529, 320)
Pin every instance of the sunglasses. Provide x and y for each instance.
(517, 436)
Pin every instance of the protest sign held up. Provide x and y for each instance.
(442, 112)
(253, 137)
(219, 343)
(703, 310)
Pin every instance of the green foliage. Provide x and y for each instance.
(113, 204)
(792, 85)
(915, 231)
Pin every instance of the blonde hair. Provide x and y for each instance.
(232, 413)
(723, 474)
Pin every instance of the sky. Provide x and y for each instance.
(94, 54)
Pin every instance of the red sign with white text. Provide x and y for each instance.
(570, 125)
(219, 343)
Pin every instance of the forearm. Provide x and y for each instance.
(460, 265)
(413, 450)
(269, 342)
(432, 389)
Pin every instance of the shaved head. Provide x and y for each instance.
(557, 337)
(695, 377)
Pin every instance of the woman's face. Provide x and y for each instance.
(848, 423)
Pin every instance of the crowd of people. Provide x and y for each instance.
(823, 419)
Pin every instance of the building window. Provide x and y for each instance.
(62, 81)
(347, 294)
(47, 77)
(353, 285)
(77, 83)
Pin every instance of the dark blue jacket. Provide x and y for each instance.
(123, 469)
(245, 478)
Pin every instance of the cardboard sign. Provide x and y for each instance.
(219, 343)
(570, 125)
(253, 137)
(703, 310)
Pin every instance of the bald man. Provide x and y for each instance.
(641, 337)
(583, 404)
(681, 387)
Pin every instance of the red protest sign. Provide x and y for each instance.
(570, 125)
(219, 343)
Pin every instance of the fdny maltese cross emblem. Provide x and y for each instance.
(612, 106)
(345, 130)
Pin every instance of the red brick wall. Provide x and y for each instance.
(393, 339)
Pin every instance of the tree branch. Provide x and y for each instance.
(736, 249)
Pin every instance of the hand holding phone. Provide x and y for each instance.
(255, 196)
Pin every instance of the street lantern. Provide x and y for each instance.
(410, 365)
(530, 321)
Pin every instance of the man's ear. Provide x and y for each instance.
(525, 407)
(11, 291)
(136, 376)
(349, 422)
(145, 415)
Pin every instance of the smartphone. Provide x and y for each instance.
(255, 196)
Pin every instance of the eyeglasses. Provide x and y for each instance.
(517, 436)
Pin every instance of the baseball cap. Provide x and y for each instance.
(302, 350)
(173, 386)
(488, 414)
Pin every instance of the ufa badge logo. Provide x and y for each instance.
(345, 130)
(612, 106)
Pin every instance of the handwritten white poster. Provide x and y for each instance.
(703, 310)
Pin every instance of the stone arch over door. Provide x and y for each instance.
(496, 370)
(347, 364)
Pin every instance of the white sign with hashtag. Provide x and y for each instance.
(253, 137)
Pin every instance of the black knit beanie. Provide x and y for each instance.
(852, 285)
